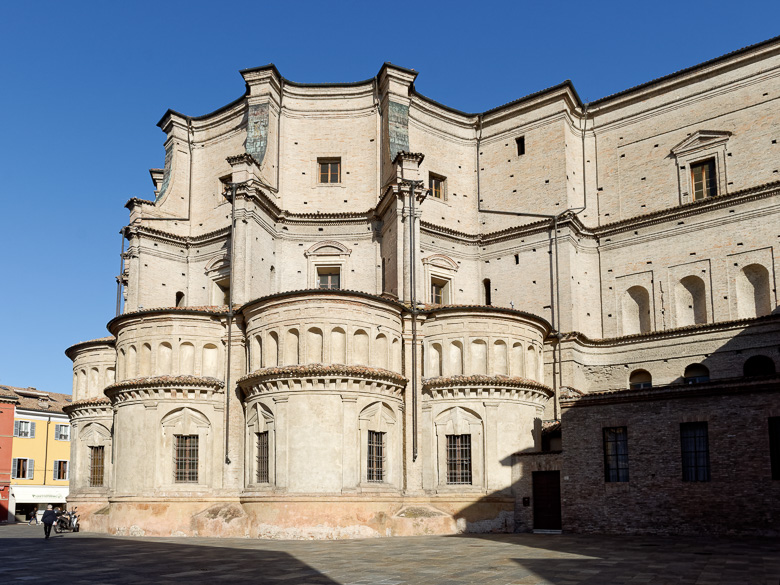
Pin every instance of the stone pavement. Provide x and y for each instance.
(527, 559)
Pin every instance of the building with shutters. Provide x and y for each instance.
(350, 310)
(40, 463)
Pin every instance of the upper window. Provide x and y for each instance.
(696, 374)
(62, 432)
(24, 429)
(703, 179)
(640, 380)
(328, 277)
(615, 454)
(60, 472)
(22, 468)
(186, 459)
(96, 466)
(437, 184)
(459, 459)
(376, 456)
(440, 291)
(520, 142)
(695, 448)
(329, 170)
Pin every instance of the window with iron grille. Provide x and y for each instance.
(704, 180)
(615, 454)
(694, 444)
(263, 476)
(186, 459)
(376, 456)
(774, 445)
(60, 471)
(96, 466)
(459, 459)
(330, 170)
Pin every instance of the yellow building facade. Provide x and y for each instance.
(40, 466)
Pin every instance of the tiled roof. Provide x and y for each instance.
(550, 426)
(482, 380)
(324, 370)
(166, 381)
(99, 341)
(102, 401)
(32, 399)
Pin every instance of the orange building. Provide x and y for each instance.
(8, 402)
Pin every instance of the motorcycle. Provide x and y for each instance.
(67, 522)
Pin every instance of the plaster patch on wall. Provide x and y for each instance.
(257, 131)
(166, 172)
(398, 118)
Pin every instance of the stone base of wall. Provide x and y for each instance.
(92, 511)
(303, 518)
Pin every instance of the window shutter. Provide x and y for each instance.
(32, 430)
(31, 468)
(67, 470)
(14, 463)
(53, 471)
(16, 428)
(57, 432)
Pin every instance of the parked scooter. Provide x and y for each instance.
(67, 522)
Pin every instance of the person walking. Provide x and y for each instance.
(33, 516)
(49, 518)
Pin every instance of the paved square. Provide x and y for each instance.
(505, 559)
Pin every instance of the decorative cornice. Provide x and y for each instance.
(486, 388)
(208, 311)
(164, 388)
(104, 341)
(244, 157)
(319, 377)
(136, 201)
(88, 408)
(417, 157)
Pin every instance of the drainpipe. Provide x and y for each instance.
(46, 451)
(121, 272)
(413, 301)
(230, 317)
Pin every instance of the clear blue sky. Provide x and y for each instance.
(82, 85)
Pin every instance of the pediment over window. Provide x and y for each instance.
(328, 248)
(699, 140)
(441, 261)
(218, 264)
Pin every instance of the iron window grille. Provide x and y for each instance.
(459, 459)
(186, 459)
(376, 456)
(615, 454)
(694, 444)
(96, 466)
(263, 475)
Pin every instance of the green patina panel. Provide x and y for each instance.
(257, 131)
(166, 172)
(398, 118)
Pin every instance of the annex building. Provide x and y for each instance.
(353, 311)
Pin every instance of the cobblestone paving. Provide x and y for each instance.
(507, 559)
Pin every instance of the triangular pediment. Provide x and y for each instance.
(701, 139)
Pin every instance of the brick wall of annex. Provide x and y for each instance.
(741, 497)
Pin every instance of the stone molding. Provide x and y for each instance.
(92, 407)
(485, 388)
(321, 377)
(164, 388)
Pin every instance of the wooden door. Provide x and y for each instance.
(547, 500)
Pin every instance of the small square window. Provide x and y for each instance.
(329, 170)
(437, 184)
(703, 179)
(520, 142)
(329, 278)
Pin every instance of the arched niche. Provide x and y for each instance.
(260, 462)
(379, 439)
(753, 292)
(184, 424)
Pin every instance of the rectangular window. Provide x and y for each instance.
(439, 291)
(186, 459)
(436, 184)
(330, 170)
(329, 278)
(615, 454)
(459, 459)
(376, 456)
(263, 476)
(60, 472)
(96, 466)
(703, 179)
(22, 468)
(24, 429)
(694, 444)
(774, 445)
(520, 142)
(62, 432)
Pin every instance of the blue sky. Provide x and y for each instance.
(82, 85)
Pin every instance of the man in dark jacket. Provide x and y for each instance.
(49, 518)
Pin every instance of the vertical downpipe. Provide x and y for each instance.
(121, 272)
(413, 300)
(230, 318)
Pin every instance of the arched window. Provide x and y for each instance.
(379, 453)
(640, 379)
(486, 285)
(636, 311)
(459, 447)
(260, 460)
(691, 301)
(179, 299)
(758, 365)
(696, 374)
(185, 437)
(753, 292)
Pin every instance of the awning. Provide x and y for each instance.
(38, 494)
